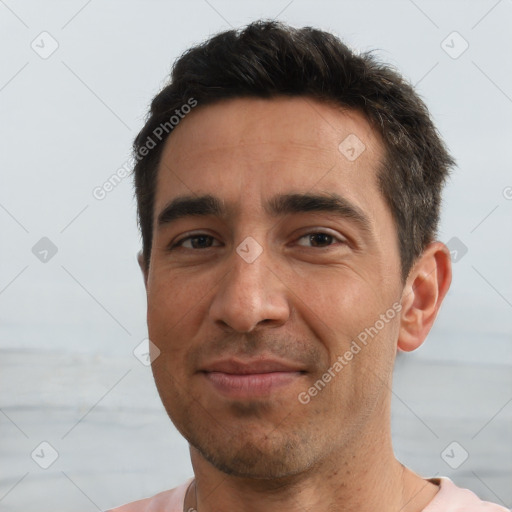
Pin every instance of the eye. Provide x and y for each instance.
(319, 239)
(199, 241)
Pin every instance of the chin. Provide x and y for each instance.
(267, 458)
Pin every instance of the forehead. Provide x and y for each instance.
(251, 147)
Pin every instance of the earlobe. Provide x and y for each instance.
(425, 289)
(142, 265)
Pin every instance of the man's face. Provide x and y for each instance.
(255, 292)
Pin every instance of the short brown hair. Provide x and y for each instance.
(268, 59)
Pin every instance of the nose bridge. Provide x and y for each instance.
(250, 292)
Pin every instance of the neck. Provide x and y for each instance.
(361, 478)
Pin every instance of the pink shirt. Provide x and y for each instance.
(449, 498)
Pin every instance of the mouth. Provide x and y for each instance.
(238, 379)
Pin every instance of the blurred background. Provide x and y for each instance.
(81, 424)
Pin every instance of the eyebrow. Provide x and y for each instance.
(279, 205)
(188, 206)
(328, 203)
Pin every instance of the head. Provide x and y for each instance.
(288, 196)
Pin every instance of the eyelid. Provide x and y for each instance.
(310, 231)
(326, 231)
(186, 236)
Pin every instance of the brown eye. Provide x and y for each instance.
(196, 242)
(319, 239)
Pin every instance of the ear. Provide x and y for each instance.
(424, 291)
(142, 265)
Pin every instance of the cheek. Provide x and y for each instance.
(343, 310)
(174, 309)
(336, 304)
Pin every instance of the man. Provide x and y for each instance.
(288, 195)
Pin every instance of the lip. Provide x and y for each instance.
(248, 379)
(256, 366)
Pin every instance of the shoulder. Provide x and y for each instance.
(451, 498)
(168, 501)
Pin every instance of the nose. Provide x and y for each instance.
(250, 295)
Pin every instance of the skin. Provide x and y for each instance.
(302, 300)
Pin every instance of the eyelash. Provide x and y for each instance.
(180, 242)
